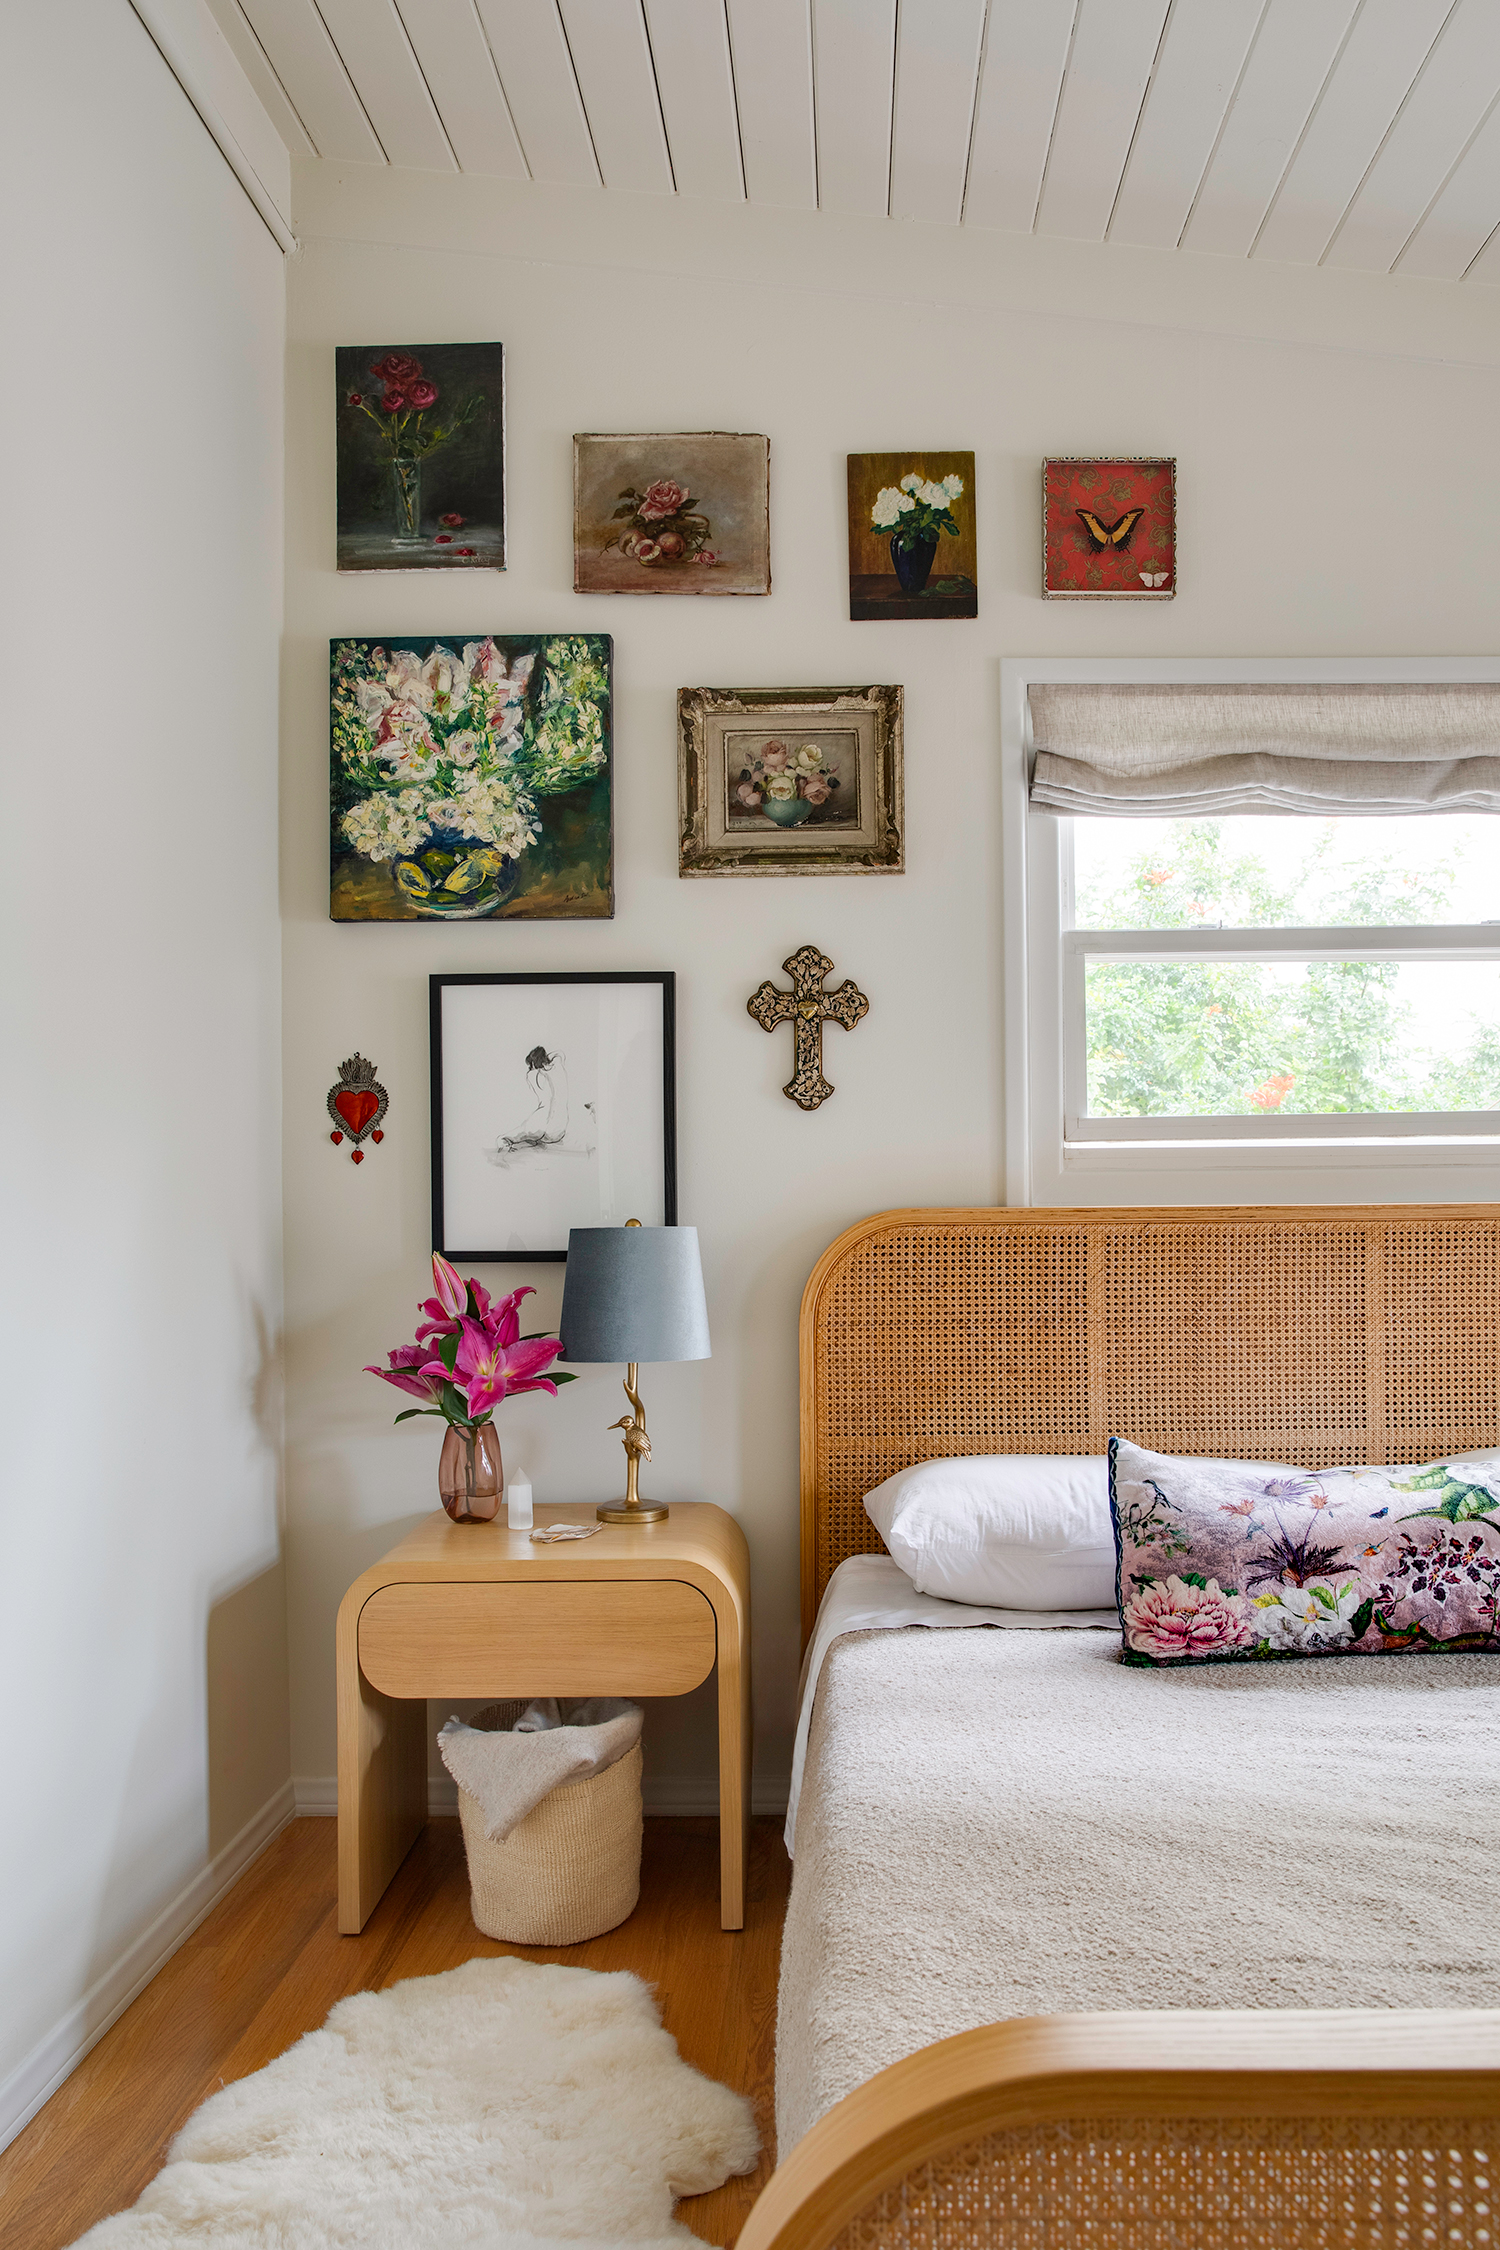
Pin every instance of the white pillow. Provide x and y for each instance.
(1003, 1530)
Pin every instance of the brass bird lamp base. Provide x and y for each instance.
(633, 1509)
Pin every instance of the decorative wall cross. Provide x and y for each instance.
(808, 1007)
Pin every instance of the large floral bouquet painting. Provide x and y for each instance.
(471, 778)
(1235, 1560)
(421, 457)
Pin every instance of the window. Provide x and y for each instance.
(1225, 1005)
(1280, 977)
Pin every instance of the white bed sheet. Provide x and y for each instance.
(999, 1824)
(872, 1594)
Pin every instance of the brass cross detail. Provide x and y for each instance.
(808, 1007)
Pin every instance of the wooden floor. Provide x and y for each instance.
(268, 1964)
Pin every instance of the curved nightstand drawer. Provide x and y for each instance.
(501, 1637)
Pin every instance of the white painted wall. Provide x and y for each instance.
(142, 1613)
(1337, 482)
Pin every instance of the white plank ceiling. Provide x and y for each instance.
(1356, 133)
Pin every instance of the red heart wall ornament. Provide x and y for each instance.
(357, 1105)
(357, 1108)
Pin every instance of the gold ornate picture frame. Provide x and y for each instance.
(790, 781)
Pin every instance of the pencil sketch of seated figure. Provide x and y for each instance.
(547, 1128)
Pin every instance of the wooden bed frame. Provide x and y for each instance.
(1311, 1333)
(1175, 2130)
(1304, 1333)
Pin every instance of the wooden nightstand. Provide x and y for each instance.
(475, 1609)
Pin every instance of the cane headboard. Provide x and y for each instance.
(1311, 1333)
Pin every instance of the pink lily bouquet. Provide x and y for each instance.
(469, 1354)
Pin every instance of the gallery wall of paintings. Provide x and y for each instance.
(472, 779)
(817, 345)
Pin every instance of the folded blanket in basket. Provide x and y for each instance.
(509, 1771)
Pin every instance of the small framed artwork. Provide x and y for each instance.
(553, 1106)
(421, 456)
(911, 536)
(471, 779)
(790, 781)
(1109, 531)
(672, 515)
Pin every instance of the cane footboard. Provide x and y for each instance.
(1333, 2130)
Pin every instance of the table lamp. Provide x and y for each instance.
(633, 1293)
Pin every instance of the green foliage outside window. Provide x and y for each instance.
(1211, 1038)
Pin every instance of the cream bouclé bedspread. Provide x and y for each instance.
(1002, 1824)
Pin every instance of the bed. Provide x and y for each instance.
(1223, 1908)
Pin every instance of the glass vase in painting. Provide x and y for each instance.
(407, 478)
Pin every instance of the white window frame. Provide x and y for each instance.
(1055, 1154)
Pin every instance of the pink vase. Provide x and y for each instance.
(470, 1478)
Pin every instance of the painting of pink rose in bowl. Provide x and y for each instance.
(421, 456)
(671, 515)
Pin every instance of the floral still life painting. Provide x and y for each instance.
(911, 536)
(421, 457)
(1222, 1561)
(790, 781)
(471, 778)
(671, 515)
(1109, 530)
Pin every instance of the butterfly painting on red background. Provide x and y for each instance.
(1109, 530)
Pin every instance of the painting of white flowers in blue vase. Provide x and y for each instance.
(912, 550)
(421, 456)
(471, 779)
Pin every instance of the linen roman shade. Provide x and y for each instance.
(1171, 751)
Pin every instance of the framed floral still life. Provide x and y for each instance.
(790, 781)
(553, 1106)
(672, 515)
(421, 456)
(1109, 531)
(471, 779)
(911, 536)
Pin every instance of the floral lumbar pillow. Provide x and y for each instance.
(1226, 1560)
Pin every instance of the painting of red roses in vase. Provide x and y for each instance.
(671, 515)
(421, 456)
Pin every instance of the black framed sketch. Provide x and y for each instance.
(553, 1106)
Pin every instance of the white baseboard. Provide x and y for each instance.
(667, 1796)
(40, 2073)
(316, 1795)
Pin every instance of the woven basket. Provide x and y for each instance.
(571, 1869)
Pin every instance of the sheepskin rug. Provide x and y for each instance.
(501, 2105)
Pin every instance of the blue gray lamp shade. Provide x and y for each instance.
(633, 1293)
